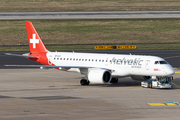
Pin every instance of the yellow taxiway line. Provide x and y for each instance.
(163, 104)
(177, 71)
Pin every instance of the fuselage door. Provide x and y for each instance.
(50, 58)
(147, 64)
(106, 62)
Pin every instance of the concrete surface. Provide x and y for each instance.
(34, 94)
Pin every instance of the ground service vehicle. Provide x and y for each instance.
(159, 82)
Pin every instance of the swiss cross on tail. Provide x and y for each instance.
(35, 43)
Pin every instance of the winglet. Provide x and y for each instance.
(35, 42)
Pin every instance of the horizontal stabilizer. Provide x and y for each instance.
(23, 55)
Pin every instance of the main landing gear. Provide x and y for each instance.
(84, 82)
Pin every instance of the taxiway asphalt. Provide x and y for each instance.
(89, 15)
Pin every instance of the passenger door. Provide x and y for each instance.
(147, 64)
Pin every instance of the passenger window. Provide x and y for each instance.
(57, 58)
(64, 58)
(60, 58)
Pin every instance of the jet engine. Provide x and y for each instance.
(99, 76)
(140, 78)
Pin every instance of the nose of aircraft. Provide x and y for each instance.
(169, 70)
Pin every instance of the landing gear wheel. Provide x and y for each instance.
(114, 80)
(84, 82)
(149, 85)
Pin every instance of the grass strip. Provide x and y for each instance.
(87, 5)
(78, 32)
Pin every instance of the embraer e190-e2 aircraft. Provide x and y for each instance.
(97, 68)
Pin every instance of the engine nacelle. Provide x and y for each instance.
(140, 78)
(99, 76)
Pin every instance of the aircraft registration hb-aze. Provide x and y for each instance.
(97, 68)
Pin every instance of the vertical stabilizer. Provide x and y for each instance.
(35, 42)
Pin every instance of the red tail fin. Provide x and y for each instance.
(35, 42)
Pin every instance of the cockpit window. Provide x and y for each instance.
(160, 62)
(163, 62)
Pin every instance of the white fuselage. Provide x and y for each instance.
(121, 65)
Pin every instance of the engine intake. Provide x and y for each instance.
(99, 76)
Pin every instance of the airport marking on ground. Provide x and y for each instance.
(171, 57)
(164, 104)
(175, 85)
(167, 103)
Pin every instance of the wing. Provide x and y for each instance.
(48, 66)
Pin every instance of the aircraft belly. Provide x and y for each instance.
(74, 70)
